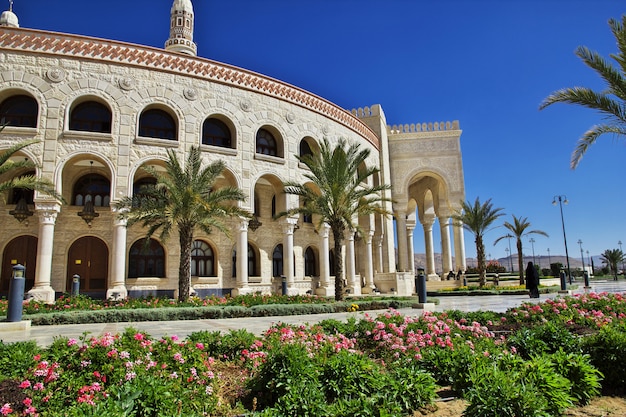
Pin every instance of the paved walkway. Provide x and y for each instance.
(44, 335)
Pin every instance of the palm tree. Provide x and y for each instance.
(612, 257)
(183, 199)
(339, 194)
(27, 182)
(518, 229)
(610, 102)
(477, 218)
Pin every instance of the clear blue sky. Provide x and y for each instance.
(486, 63)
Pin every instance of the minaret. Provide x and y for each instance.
(181, 28)
(8, 18)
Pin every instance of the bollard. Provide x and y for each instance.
(284, 283)
(75, 284)
(563, 284)
(16, 294)
(420, 285)
(586, 275)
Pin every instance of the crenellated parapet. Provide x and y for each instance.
(366, 111)
(423, 127)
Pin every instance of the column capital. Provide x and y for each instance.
(47, 211)
(243, 224)
(290, 224)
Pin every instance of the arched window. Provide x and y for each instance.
(202, 260)
(93, 187)
(252, 261)
(146, 261)
(19, 111)
(216, 133)
(266, 143)
(310, 263)
(305, 149)
(91, 116)
(157, 123)
(277, 261)
(143, 183)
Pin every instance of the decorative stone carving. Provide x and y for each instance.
(245, 105)
(126, 83)
(56, 75)
(290, 117)
(190, 93)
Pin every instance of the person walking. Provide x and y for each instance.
(532, 280)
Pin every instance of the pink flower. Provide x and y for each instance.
(25, 384)
(6, 409)
(200, 346)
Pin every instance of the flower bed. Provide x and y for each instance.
(384, 365)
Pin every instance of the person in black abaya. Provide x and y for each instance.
(532, 280)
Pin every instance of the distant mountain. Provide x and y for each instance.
(541, 261)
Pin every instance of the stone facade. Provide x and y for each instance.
(65, 74)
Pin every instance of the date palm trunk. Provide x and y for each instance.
(184, 268)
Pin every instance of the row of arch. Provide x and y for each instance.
(145, 259)
(93, 115)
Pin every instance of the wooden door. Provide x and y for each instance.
(89, 258)
(21, 250)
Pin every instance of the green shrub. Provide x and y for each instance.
(546, 338)
(499, 393)
(606, 350)
(584, 377)
(409, 387)
(288, 381)
(512, 387)
(224, 346)
(350, 375)
(15, 358)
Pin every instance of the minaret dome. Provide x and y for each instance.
(8, 18)
(181, 28)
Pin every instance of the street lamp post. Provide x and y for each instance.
(507, 254)
(589, 262)
(509, 236)
(549, 259)
(532, 245)
(620, 249)
(563, 200)
(580, 243)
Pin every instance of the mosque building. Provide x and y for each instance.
(99, 109)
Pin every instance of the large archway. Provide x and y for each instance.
(89, 258)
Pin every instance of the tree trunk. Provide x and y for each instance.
(185, 235)
(480, 257)
(520, 261)
(338, 232)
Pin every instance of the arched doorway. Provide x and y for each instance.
(89, 258)
(21, 250)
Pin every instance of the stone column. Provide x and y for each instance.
(242, 259)
(42, 290)
(459, 247)
(289, 225)
(325, 284)
(411, 248)
(446, 253)
(117, 283)
(378, 244)
(350, 262)
(369, 262)
(427, 223)
(402, 249)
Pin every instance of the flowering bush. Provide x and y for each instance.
(378, 365)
